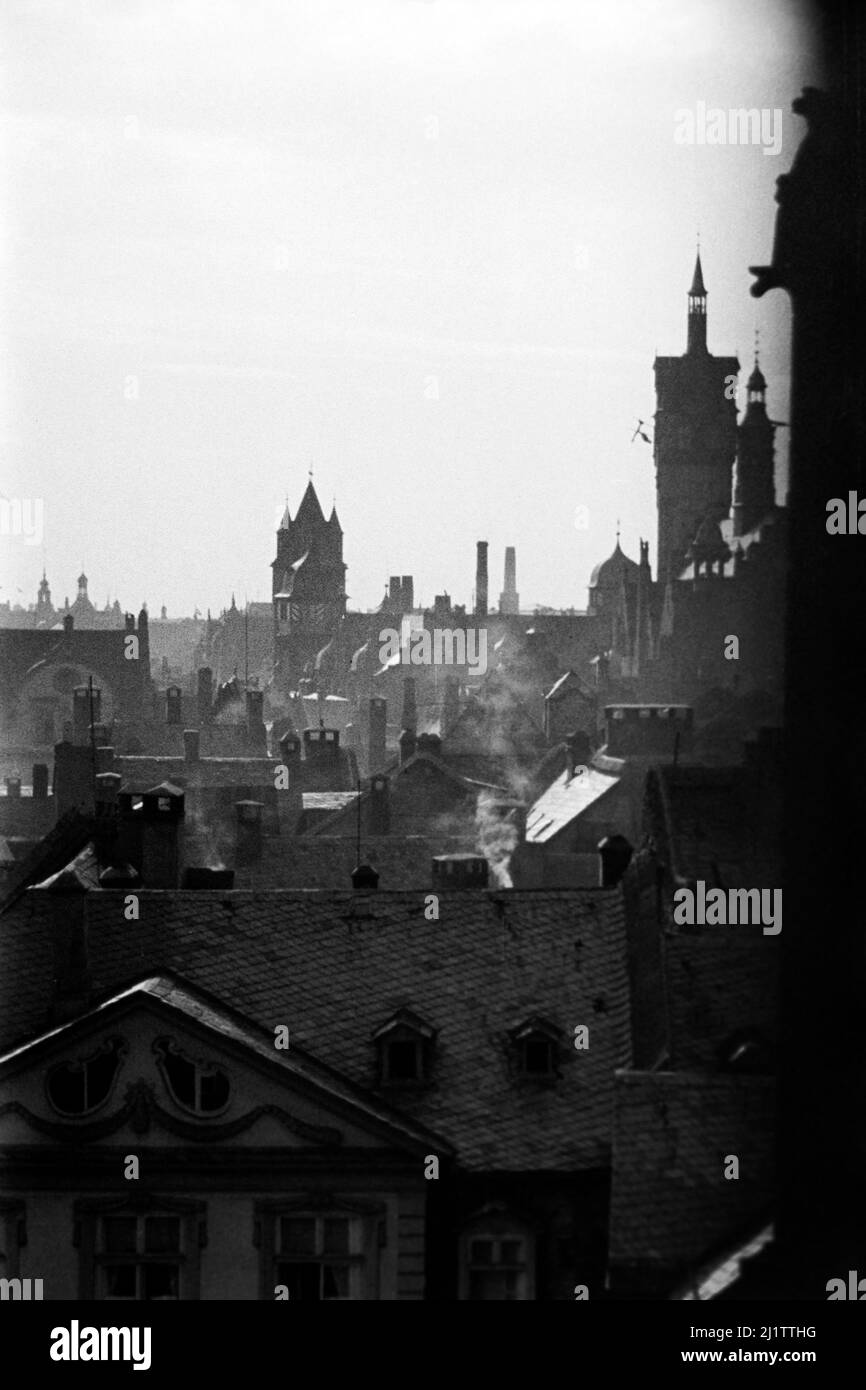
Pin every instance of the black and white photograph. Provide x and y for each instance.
(432, 644)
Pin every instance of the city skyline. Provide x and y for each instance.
(421, 262)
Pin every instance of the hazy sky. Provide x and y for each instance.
(428, 248)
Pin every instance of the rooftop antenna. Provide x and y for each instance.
(358, 860)
(676, 747)
(246, 643)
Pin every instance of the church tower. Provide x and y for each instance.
(695, 435)
(754, 489)
(309, 586)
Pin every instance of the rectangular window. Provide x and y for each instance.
(318, 1258)
(139, 1258)
(497, 1269)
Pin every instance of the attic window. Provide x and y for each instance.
(536, 1050)
(81, 1086)
(405, 1045)
(163, 803)
(195, 1085)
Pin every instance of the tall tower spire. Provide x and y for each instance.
(754, 470)
(697, 320)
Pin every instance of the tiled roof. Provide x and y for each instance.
(720, 981)
(335, 966)
(671, 1205)
(563, 800)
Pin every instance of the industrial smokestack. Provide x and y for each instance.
(481, 581)
(509, 599)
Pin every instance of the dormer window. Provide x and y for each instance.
(81, 1086)
(197, 1086)
(405, 1045)
(536, 1046)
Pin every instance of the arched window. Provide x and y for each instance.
(79, 1087)
(198, 1086)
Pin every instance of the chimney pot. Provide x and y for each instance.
(615, 854)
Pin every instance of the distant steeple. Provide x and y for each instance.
(697, 318)
(754, 470)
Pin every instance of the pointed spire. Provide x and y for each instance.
(698, 286)
(310, 510)
(697, 320)
(756, 384)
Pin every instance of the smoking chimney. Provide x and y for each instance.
(481, 580)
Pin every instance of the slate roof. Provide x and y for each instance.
(335, 966)
(721, 981)
(314, 861)
(176, 999)
(564, 800)
(671, 1205)
(140, 773)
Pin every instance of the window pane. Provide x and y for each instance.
(298, 1235)
(181, 1077)
(214, 1091)
(482, 1252)
(403, 1061)
(118, 1233)
(162, 1234)
(119, 1281)
(336, 1236)
(511, 1252)
(301, 1280)
(538, 1057)
(160, 1281)
(335, 1281)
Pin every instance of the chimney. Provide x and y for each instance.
(68, 623)
(129, 622)
(364, 877)
(200, 879)
(395, 595)
(647, 730)
(162, 826)
(191, 745)
(248, 842)
(410, 709)
(407, 745)
(578, 751)
(104, 757)
(481, 580)
(290, 754)
(174, 705)
(614, 853)
(459, 871)
(13, 786)
(73, 778)
(450, 705)
(376, 735)
(431, 744)
(257, 734)
(40, 781)
(72, 982)
(407, 591)
(509, 599)
(107, 817)
(379, 806)
(204, 695)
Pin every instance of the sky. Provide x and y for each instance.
(426, 248)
